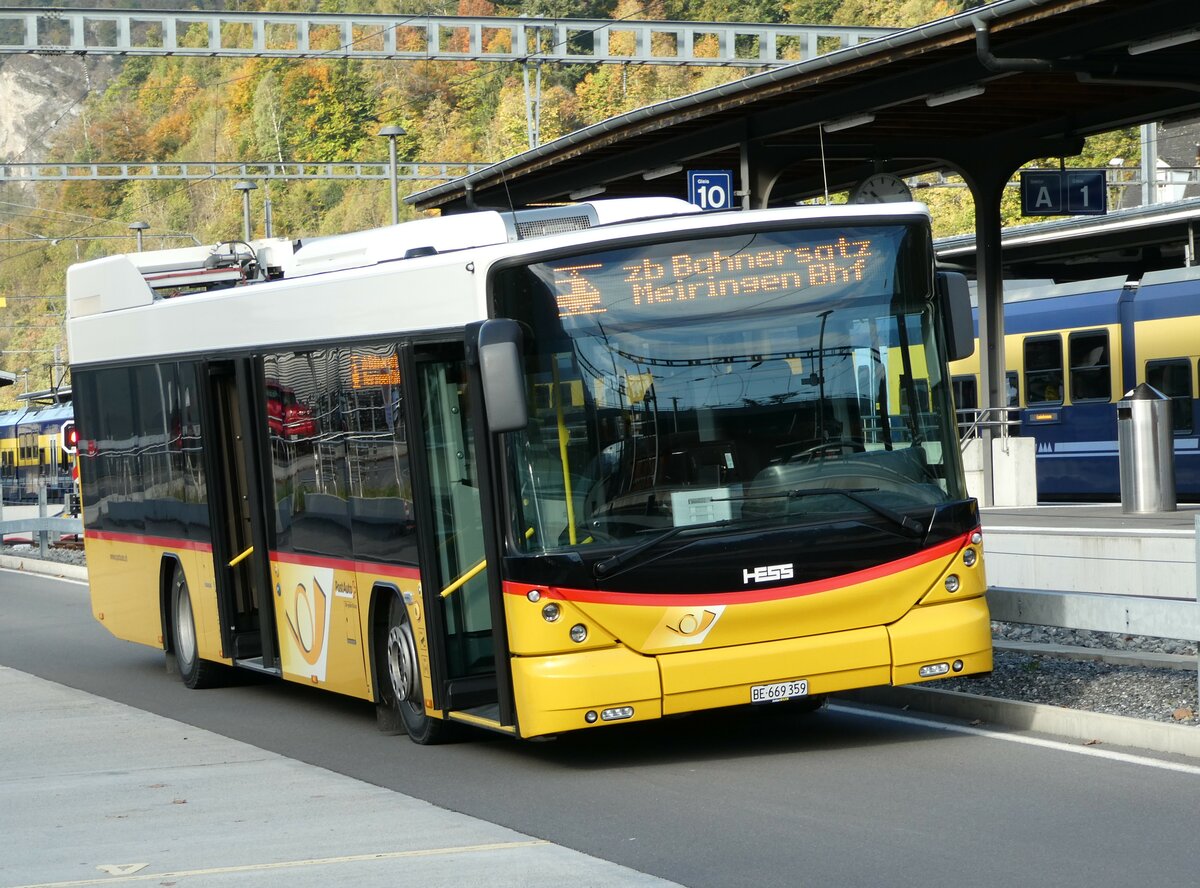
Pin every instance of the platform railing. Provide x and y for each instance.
(972, 422)
(43, 526)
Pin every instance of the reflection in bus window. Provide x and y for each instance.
(335, 418)
(312, 512)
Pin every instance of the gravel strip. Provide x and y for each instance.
(1165, 695)
(59, 556)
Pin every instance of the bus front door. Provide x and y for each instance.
(236, 509)
(466, 636)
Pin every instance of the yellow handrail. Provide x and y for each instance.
(241, 557)
(562, 455)
(472, 573)
(464, 579)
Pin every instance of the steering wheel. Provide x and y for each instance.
(824, 449)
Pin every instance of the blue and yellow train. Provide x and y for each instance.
(1073, 350)
(32, 452)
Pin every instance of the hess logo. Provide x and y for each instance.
(767, 573)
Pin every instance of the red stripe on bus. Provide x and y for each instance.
(390, 570)
(748, 596)
(147, 540)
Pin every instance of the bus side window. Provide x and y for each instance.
(1043, 370)
(1173, 377)
(1090, 377)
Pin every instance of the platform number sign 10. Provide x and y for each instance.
(711, 189)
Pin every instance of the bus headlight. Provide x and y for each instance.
(952, 583)
(579, 633)
(551, 612)
(970, 556)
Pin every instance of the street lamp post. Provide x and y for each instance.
(245, 187)
(392, 132)
(137, 228)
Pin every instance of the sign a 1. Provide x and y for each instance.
(711, 189)
(1063, 193)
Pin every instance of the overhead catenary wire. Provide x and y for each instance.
(378, 114)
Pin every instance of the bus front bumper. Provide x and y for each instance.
(567, 692)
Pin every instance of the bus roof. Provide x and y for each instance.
(425, 275)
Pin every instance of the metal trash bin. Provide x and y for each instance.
(1146, 450)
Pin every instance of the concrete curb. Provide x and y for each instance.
(46, 568)
(1068, 724)
(1183, 662)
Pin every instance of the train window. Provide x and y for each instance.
(1174, 379)
(1090, 377)
(1043, 370)
(919, 388)
(966, 393)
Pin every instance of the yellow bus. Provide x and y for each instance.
(547, 470)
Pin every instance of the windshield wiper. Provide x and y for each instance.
(610, 565)
(606, 567)
(852, 493)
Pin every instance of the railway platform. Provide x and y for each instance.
(1093, 549)
(88, 781)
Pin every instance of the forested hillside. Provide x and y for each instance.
(199, 109)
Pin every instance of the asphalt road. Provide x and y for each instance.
(762, 797)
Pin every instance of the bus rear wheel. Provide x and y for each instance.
(403, 699)
(195, 672)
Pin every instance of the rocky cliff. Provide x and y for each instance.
(39, 96)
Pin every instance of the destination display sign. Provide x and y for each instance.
(724, 274)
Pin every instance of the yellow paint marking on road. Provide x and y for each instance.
(287, 864)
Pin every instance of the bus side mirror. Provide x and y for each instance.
(955, 298)
(500, 345)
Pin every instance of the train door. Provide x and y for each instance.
(238, 515)
(467, 642)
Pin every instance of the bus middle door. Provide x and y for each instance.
(237, 514)
(459, 585)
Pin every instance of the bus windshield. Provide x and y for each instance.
(777, 377)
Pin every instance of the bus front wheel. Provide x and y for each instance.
(195, 672)
(403, 699)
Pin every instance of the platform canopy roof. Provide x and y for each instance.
(1131, 242)
(979, 93)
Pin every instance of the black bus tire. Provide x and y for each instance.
(195, 672)
(400, 682)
